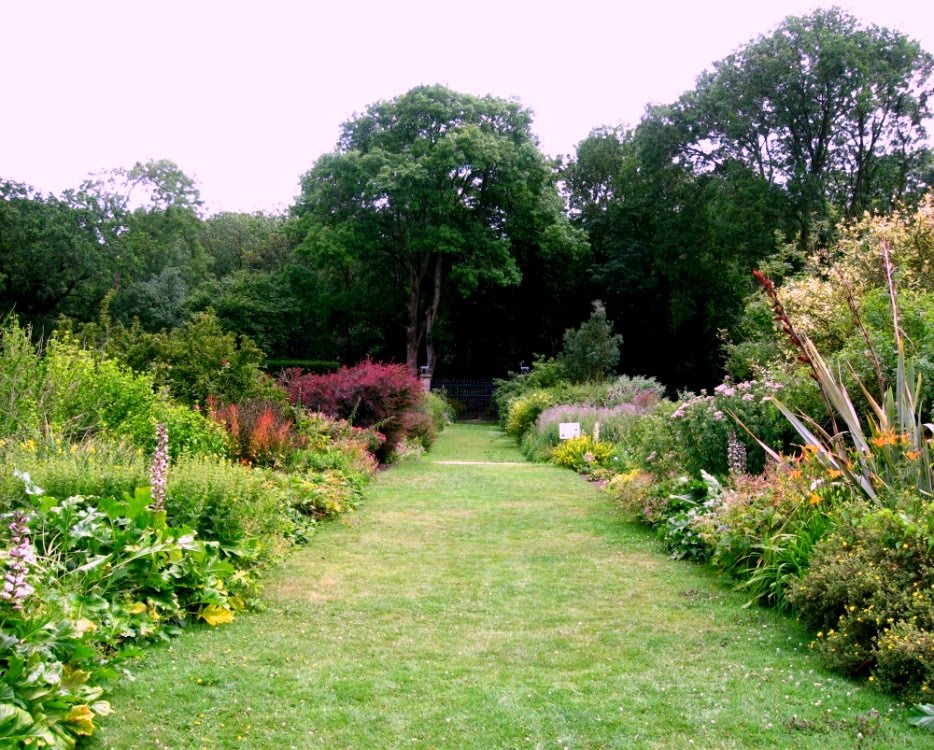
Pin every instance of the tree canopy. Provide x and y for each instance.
(431, 191)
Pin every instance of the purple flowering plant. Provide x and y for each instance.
(704, 422)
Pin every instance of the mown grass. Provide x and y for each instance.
(496, 607)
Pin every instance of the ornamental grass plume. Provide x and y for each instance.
(159, 470)
(15, 586)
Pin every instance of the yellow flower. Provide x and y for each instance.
(813, 499)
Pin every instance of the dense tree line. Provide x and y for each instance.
(437, 232)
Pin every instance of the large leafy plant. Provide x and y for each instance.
(893, 450)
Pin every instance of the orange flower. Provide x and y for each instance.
(814, 499)
(886, 438)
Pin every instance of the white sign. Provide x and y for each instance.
(568, 430)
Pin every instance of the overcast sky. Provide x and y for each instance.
(245, 96)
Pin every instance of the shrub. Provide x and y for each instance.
(78, 393)
(21, 379)
(633, 389)
(583, 454)
(524, 410)
(419, 429)
(868, 594)
(440, 409)
(632, 491)
(223, 502)
(258, 432)
(199, 360)
(89, 393)
(191, 432)
(544, 373)
(591, 352)
(367, 395)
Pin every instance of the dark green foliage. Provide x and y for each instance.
(424, 197)
(825, 107)
(200, 360)
(51, 260)
(591, 352)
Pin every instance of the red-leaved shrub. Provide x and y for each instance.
(367, 395)
(259, 432)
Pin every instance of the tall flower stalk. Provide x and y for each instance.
(159, 470)
(16, 586)
(735, 454)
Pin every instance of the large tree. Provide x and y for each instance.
(52, 258)
(430, 193)
(830, 110)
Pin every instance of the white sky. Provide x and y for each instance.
(245, 96)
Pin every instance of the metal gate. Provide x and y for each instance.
(473, 394)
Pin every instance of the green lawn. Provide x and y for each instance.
(495, 606)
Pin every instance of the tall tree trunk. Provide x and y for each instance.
(413, 329)
(430, 314)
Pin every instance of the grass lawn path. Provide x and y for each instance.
(494, 605)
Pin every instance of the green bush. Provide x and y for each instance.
(200, 360)
(590, 352)
(524, 410)
(88, 393)
(191, 432)
(227, 503)
(868, 593)
(74, 393)
(632, 389)
(544, 373)
(440, 409)
(21, 381)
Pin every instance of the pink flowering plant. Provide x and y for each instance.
(704, 423)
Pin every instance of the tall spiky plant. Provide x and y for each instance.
(895, 449)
